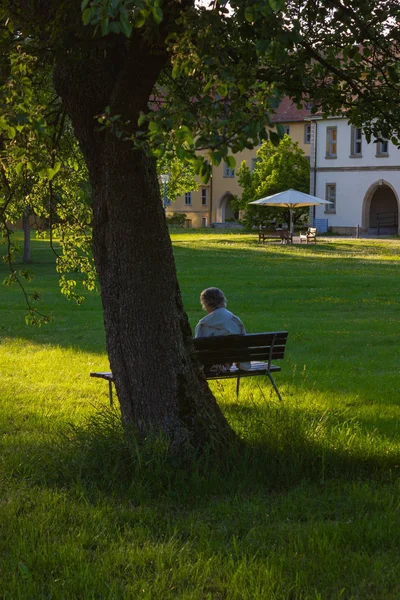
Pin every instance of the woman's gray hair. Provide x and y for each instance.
(212, 298)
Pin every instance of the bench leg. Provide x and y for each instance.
(237, 387)
(274, 385)
(110, 392)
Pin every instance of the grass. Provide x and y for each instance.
(307, 509)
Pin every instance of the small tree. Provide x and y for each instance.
(277, 169)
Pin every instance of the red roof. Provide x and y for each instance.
(287, 112)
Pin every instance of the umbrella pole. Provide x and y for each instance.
(291, 220)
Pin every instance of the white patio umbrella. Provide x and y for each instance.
(290, 199)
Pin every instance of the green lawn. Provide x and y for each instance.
(308, 508)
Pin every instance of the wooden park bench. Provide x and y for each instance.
(260, 349)
(275, 234)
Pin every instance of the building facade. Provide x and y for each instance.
(211, 204)
(362, 180)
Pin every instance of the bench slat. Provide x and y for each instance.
(232, 355)
(256, 369)
(250, 340)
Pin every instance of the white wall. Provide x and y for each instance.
(344, 158)
(354, 176)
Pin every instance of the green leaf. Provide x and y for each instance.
(275, 4)
(84, 4)
(280, 130)
(274, 137)
(185, 134)
(179, 68)
(205, 172)
(230, 161)
(249, 14)
(140, 20)
(126, 26)
(215, 158)
(57, 167)
(158, 152)
(105, 26)
(157, 14)
(86, 16)
(50, 173)
(19, 167)
(141, 120)
(154, 127)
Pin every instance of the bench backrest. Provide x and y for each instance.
(232, 348)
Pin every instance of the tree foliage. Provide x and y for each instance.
(350, 52)
(43, 177)
(276, 169)
(220, 97)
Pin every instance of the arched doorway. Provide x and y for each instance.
(225, 212)
(381, 209)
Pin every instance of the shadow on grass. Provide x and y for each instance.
(130, 512)
(283, 448)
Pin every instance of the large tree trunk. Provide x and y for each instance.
(158, 380)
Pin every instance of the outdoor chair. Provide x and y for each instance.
(309, 236)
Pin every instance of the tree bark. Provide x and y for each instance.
(159, 383)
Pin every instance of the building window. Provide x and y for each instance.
(188, 198)
(286, 129)
(204, 196)
(330, 195)
(382, 148)
(228, 172)
(356, 142)
(188, 223)
(254, 161)
(331, 142)
(204, 222)
(307, 134)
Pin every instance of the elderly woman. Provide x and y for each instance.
(219, 320)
